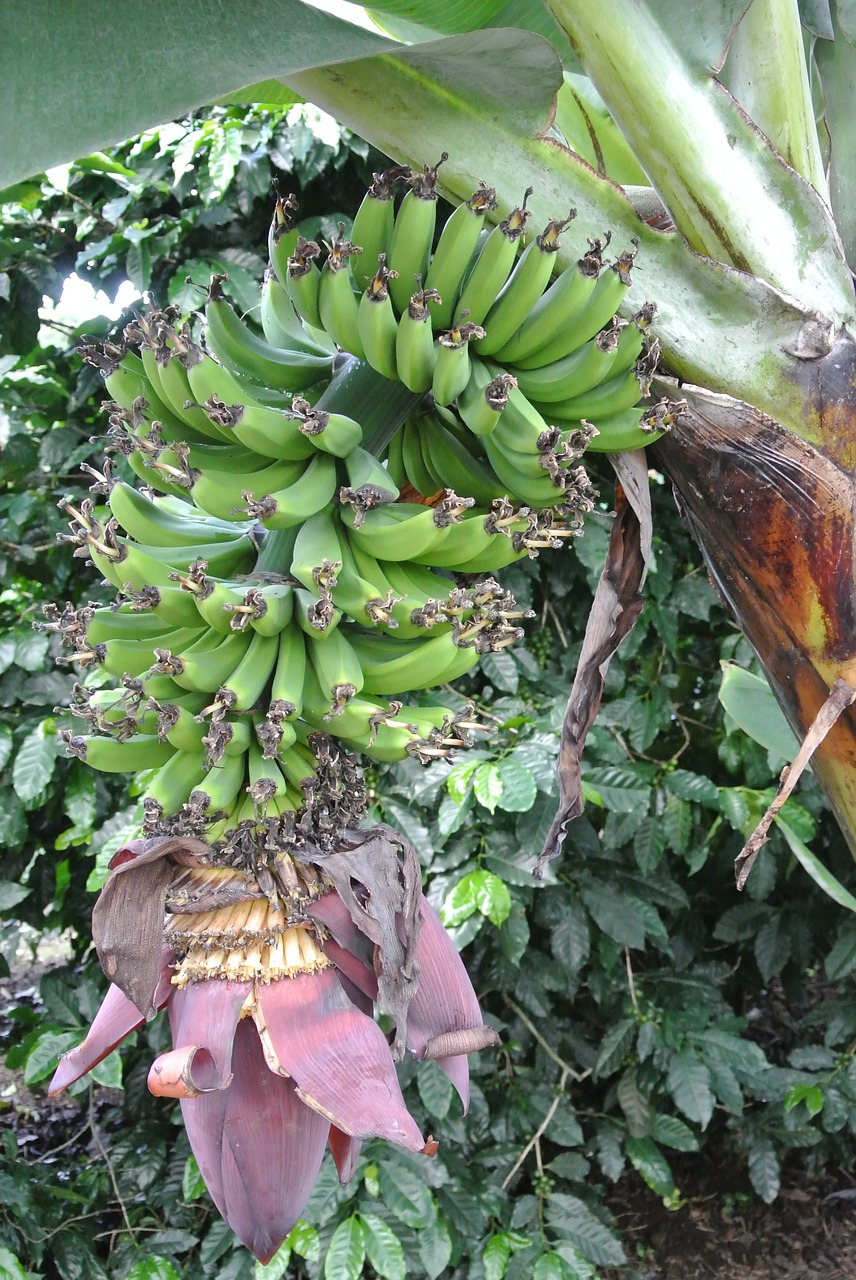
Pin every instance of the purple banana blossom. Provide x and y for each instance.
(276, 1054)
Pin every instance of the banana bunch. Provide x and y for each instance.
(324, 505)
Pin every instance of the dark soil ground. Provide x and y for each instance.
(808, 1233)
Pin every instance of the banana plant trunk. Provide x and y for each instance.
(774, 517)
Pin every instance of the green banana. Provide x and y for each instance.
(108, 755)
(177, 720)
(455, 248)
(294, 762)
(338, 308)
(175, 384)
(396, 532)
(206, 664)
(527, 282)
(172, 784)
(151, 522)
(484, 398)
(171, 604)
(303, 281)
(604, 301)
(452, 370)
(279, 234)
(265, 777)
(418, 475)
(133, 655)
(413, 234)
(560, 305)
(333, 433)
(127, 564)
(337, 668)
(395, 666)
(219, 789)
(377, 321)
(316, 615)
(365, 598)
(395, 460)
(282, 326)
(372, 229)
(493, 265)
(629, 429)
(229, 495)
(521, 426)
(264, 430)
(207, 378)
(124, 623)
(424, 602)
(604, 400)
(533, 490)
(245, 685)
(366, 472)
(269, 608)
(127, 385)
(188, 730)
(215, 599)
(286, 690)
(312, 491)
(460, 542)
(415, 349)
(237, 347)
(317, 551)
(454, 466)
(574, 375)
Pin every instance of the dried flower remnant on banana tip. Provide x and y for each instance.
(270, 974)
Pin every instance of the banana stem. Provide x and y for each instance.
(379, 404)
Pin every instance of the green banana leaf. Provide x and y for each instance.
(752, 705)
(86, 76)
(450, 18)
(809, 861)
(432, 19)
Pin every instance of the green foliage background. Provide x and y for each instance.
(648, 1014)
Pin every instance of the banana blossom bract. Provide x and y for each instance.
(276, 1054)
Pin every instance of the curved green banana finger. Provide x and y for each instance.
(455, 248)
(373, 224)
(604, 400)
(171, 786)
(108, 755)
(303, 280)
(282, 326)
(452, 370)
(527, 282)
(413, 234)
(604, 300)
(377, 321)
(311, 492)
(415, 349)
(493, 265)
(559, 306)
(338, 308)
(237, 347)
